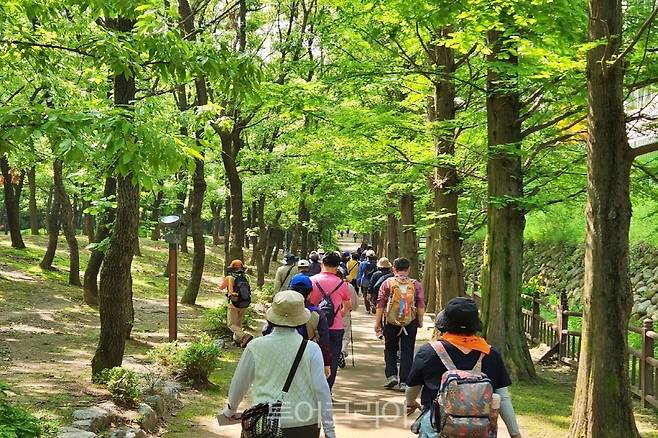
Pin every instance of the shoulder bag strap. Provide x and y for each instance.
(287, 276)
(477, 369)
(440, 350)
(295, 365)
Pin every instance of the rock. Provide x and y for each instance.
(148, 419)
(126, 433)
(642, 307)
(647, 274)
(654, 299)
(219, 343)
(171, 390)
(651, 309)
(93, 419)
(72, 432)
(157, 403)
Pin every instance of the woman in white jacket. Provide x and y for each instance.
(264, 367)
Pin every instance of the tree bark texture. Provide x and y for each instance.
(12, 191)
(503, 257)
(88, 223)
(445, 235)
(67, 223)
(115, 291)
(602, 406)
(53, 221)
(261, 246)
(216, 209)
(409, 240)
(227, 229)
(34, 212)
(392, 230)
(230, 147)
(106, 219)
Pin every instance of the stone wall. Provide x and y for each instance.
(559, 267)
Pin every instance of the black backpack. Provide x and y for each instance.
(327, 304)
(242, 291)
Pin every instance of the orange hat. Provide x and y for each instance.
(236, 264)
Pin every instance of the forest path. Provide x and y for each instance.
(362, 406)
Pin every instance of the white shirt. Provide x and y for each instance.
(264, 366)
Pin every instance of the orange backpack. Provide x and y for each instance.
(401, 308)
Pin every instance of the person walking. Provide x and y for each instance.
(459, 324)
(315, 266)
(331, 294)
(237, 287)
(303, 267)
(352, 269)
(400, 308)
(347, 325)
(366, 269)
(382, 274)
(266, 363)
(285, 273)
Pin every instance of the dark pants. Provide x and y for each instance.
(312, 431)
(366, 301)
(394, 340)
(336, 344)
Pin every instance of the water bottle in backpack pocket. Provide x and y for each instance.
(464, 406)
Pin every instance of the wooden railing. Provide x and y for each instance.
(565, 344)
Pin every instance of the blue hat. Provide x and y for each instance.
(302, 284)
(346, 253)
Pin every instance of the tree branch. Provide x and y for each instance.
(635, 39)
(552, 122)
(47, 46)
(643, 150)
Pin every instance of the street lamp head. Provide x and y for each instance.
(171, 221)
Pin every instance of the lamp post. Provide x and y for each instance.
(173, 224)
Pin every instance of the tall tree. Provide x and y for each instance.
(12, 185)
(602, 405)
(34, 212)
(502, 269)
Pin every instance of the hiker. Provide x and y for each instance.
(332, 295)
(315, 266)
(321, 253)
(238, 293)
(352, 267)
(460, 348)
(382, 274)
(316, 329)
(267, 363)
(285, 273)
(401, 307)
(303, 267)
(343, 263)
(347, 324)
(366, 269)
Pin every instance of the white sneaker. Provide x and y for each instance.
(402, 387)
(391, 382)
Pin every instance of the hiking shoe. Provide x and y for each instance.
(402, 387)
(341, 361)
(391, 382)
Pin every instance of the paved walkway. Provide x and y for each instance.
(363, 407)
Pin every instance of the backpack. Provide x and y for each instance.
(327, 304)
(463, 406)
(371, 267)
(241, 296)
(401, 308)
(311, 327)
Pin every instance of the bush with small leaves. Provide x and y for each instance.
(194, 362)
(15, 420)
(215, 320)
(123, 385)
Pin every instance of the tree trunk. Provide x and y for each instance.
(216, 209)
(34, 213)
(409, 240)
(253, 237)
(88, 222)
(67, 223)
(503, 259)
(230, 148)
(53, 222)
(181, 197)
(196, 207)
(274, 235)
(155, 216)
(261, 247)
(115, 292)
(12, 204)
(430, 272)
(105, 220)
(392, 230)
(602, 406)
(227, 230)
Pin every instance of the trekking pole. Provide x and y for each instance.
(352, 342)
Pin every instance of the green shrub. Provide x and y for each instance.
(194, 363)
(214, 320)
(123, 385)
(16, 421)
